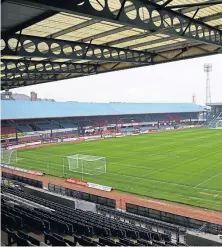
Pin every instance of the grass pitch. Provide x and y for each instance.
(181, 166)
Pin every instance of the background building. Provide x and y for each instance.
(7, 95)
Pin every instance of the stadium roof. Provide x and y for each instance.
(12, 109)
(45, 40)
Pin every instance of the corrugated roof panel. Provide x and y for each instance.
(178, 2)
(216, 22)
(206, 11)
(87, 31)
(111, 24)
(142, 40)
(38, 109)
(116, 36)
(54, 24)
(168, 42)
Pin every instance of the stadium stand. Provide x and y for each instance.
(31, 218)
(33, 110)
(5, 130)
(57, 225)
(97, 123)
(214, 116)
(115, 121)
(95, 115)
(39, 121)
(65, 123)
(23, 128)
(219, 124)
(23, 180)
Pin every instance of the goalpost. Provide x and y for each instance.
(9, 157)
(87, 164)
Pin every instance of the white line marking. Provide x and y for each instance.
(208, 180)
(161, 182)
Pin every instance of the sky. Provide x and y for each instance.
(171, 82)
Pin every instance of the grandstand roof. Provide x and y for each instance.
(49, 40)
(12, 109)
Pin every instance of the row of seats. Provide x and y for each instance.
(100, 123)
(24, 128)
(5, 130)
(21, 239)
(137, 218)
(68, 221)
(82, 195)
(29, 181)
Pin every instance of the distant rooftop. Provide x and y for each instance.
(215, 104)
(18, 96)
(11, 109)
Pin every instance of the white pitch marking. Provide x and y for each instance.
(162, 182)
(208, 180)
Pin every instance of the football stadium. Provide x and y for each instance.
(107, 174)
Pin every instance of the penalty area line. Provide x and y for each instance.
(208, 179)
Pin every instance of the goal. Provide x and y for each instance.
(9, 157)
(87, 164)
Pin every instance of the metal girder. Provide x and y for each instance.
(15, 66)
(123, 28)
(204, 33)
(33, 46)
(116, 30)
(5, 85)
(30, 77)
(188, 5)
(21, 80)
(172, 55)
(166, 3)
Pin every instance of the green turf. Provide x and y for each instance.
(181, 166)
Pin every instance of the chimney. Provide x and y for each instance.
(33, 96)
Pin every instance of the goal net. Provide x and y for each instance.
(9, 157)
(87, 164)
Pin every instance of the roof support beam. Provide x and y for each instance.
(5, 85)
(33, 46)
(143, 17)
(161, 57)
(15, 66)
(31, 77)
(166, 3)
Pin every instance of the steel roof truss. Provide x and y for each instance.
(203, 33)
(63, 49)
(15, 66)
